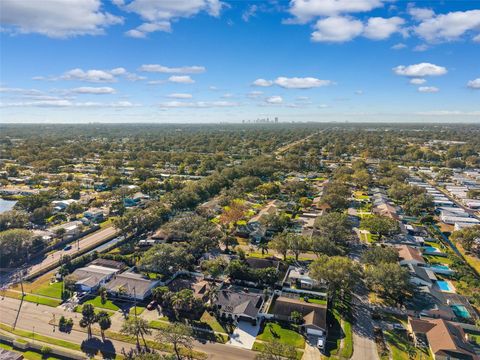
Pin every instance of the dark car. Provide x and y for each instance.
(152, 305)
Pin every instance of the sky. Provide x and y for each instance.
(196, 61)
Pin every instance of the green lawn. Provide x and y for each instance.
(42, 300)
(29, 355)
(317, 301)
(140, 309)
(97, 302)
(434, 259)
(53, 290)
(399, 345)
(258, 346)
(157, 324)
(212, 322)
(274, 331)
(347, 348)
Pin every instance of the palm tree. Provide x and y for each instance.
(104, 322)
(88, 318)
(211, 293)
(263, 245)
(136, 327)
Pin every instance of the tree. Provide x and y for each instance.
(179, 335)
(320, 245)
(380, 225)
(296, 317)
(390, 280)
(13, 219)
(334, 227)
(136, 327)
(184, 302)
(166, 259)
(275, 350)
(336, 195)
(104, 322)
(467, 236)
(263, 246)
(161, 294)
(214, 268)
(340, 273)
(297, 244)
(102, 292)
(280, 244)
(88, 318)
(378, 254)
(228, 240)
(16, 246)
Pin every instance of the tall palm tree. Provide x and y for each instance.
(136, 327)
(104, 322)
(263, 246)
(88, 318)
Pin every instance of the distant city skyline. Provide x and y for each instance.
(201, 61)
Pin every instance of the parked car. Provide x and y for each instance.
(68, 247)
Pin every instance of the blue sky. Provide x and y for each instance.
(228, 61)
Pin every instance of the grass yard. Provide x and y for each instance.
(434, 259)
(97, 302)
(317, 301)
(157, 324)
(473, 261)
(39, 337)
(29, 355)
(37, 299)
(347, 348)
(212, 322)
(53, 290)
(274, 331)
(140, 310)
(258, 346)
(400, 347)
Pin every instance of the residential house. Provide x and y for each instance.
(131, 286)
(238, 305)
(91, 277)
(314, 315)
(446, 340)
(410, 255)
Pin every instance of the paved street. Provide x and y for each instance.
(88, 241)
(364, 346)
(40, 316)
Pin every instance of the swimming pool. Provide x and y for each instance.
(441, 269)
(461, 311)
(431, 249)
(445, 286)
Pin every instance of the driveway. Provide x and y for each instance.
(311, 351)
(244, 335)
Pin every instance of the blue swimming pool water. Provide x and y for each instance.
(440, 267)
(444, 286)
(461, 311)
(431, 249)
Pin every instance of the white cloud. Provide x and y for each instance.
(250, 12)
(274, 100)
(476, 38)
(399, 46)
(378, 28)
(89, 75)
(336, 29)
(305, 10)
(180, 96)
(93, 90)
(263, 82)
(55, 18)
(428, 89)
(20, 91)
(300, 83)
(63, 103)
(420, 70)
(156, 68)
(143, 30)
(418, 81)
(421, 13)
(449, 113)
(197, 104)
(359, 92)
(421, 48)
(93, 75)
(158, 15)
(181, 79)
(474, 84)
(254, 94)
(449, 27)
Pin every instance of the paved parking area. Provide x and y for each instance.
(244, 335)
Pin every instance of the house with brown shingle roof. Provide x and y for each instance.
(444, 339)
(410, 255)
(314, 315)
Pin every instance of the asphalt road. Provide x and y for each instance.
(40, 316)
(364, 346)
(88, 241)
